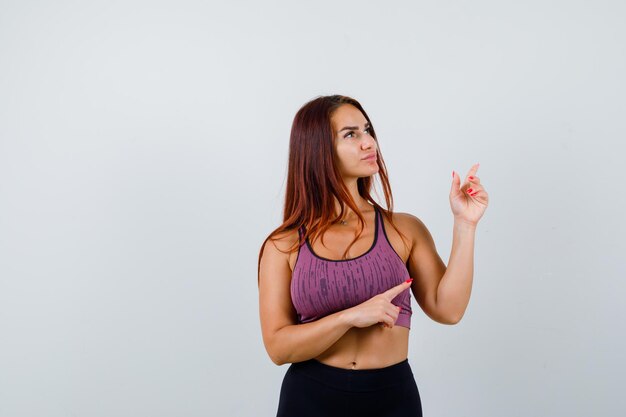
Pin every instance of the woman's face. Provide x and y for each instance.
(353, 143)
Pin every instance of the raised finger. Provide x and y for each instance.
(392, 292)
(472, 171)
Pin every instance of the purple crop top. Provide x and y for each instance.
(321, 286)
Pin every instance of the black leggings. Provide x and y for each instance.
(314, 389)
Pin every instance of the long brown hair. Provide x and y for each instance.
(313, 178)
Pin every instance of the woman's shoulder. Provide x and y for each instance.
(285, 237)
(405, 219)
(279, 248)
(410, 224)
(283, 241)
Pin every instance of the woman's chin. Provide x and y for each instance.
(368, 173)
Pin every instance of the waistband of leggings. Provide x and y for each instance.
(361, 380)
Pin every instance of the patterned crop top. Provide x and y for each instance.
(321, 286)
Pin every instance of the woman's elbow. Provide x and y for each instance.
(276, 355)
(276, 359)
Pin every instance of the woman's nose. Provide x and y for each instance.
(368, 142)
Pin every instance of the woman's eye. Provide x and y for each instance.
(352, 132)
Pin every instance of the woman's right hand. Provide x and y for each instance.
(378, 309)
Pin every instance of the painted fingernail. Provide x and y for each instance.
(409, 280)
(469, 190)
(471, 178)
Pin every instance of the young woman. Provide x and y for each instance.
(334, 280)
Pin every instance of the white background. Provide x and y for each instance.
(143, 151)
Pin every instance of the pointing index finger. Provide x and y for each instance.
(393, 291)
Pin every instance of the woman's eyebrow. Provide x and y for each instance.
(354, 127)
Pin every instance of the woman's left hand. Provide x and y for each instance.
(468, 201)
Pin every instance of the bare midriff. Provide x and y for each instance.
(368, 348)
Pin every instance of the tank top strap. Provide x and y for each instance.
(301, 231)
(384, 239)
(378, 222)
